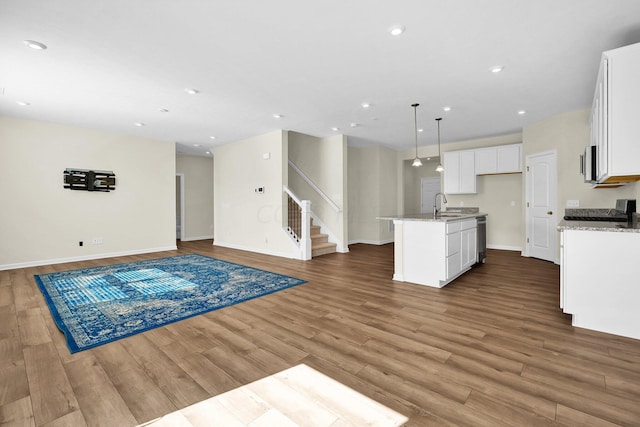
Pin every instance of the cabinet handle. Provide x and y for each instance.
(550, 213)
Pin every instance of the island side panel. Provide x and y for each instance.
(423, 251)
(397, 250)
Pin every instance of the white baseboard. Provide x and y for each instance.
(505, 247)
(85, 257)
(191, 239)
(371, 242)
(256, 250)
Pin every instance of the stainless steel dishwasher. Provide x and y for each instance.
(482, 238)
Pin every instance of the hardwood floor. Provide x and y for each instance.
(491, 348)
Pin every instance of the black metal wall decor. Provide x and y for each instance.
(88, 180)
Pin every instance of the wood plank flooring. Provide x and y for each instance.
(490, 349)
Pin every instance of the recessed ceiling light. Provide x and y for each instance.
(212, 137)
(207, 152)
(23, 103)
(35, 45)
(365, 105)
(446, 108)
(335, 129)
(354, 125)
(428, 158)
(139, 124)
(277, 116)
(191, 91)
(196, 145)
(163, 110)
(420, 130)
(396, 30)
(522, 112)
(497, 68)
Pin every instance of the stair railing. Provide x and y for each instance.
(299, 222)
(317, 189)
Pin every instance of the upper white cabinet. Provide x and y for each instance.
(615, 128)
(459, 172)
(501, 159)
(461, 167)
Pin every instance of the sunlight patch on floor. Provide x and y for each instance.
(296, 397)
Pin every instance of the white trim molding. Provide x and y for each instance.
(190, 239)
(85, 257)
(256, 250)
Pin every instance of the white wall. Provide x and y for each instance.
(324, 162)
(372, 193)
(244, 219)
(42, 223)
(198, 196)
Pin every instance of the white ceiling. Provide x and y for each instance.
(111, 63)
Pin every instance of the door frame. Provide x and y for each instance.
(180, 177)
(527, 209)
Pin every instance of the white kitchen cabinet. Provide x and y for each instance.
(459, 172)
(468, 243)
(599, 280)
(615, 128)
(500, 159)
(434, 253)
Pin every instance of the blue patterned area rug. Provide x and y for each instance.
(95, 306)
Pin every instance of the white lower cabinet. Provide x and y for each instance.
(434, 253)
(599, 274)
(469, 244)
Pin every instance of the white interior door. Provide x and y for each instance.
(540, 210)
(429, 187)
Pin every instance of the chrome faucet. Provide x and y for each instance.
(435, 205)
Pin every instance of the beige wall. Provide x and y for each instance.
(41, 222)
(413, 182)
(372, 193)
(244, 219)
(324, 162)
(198, 196)
(500, 196)
(568, 133)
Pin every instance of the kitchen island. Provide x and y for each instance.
(599, 275)
(434, 250)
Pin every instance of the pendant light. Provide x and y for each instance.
(439, 168)
(416, 162)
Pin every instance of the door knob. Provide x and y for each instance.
(550, 213)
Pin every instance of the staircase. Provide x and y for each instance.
(320, 244)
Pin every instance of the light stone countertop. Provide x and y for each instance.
(450, 217)
(618, 227)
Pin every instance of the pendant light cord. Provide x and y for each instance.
(415, 125)
(438, 120)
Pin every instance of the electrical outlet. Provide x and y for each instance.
(573, 203)
(94, 241)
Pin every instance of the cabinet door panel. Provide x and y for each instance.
(467, 172)
(451, 172)
(486, 161)
(453, 264)
(508, 159)
(453, 243)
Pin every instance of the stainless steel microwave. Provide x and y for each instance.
(588, 163)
